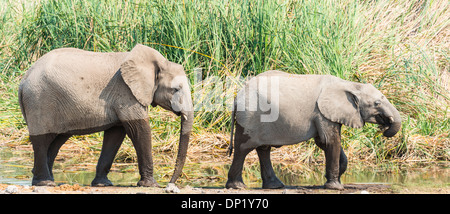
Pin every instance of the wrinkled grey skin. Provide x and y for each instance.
(74, 92)
(310, 106)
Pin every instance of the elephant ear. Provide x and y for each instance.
(139, 71)
(339, 103)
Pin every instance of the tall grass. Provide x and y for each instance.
(401, 47)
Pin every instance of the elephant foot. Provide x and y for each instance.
(334, 185)
(148, 183)
(273, 184)
(235, 185)
(43, 183)
(101, 182)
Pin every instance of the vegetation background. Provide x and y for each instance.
(401, 47)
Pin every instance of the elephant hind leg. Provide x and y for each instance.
(113, 138)
(41, 171)
(270, 180)
(235, 180)
(235, 173)
(54, 149)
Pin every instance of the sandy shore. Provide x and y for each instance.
(77, 189)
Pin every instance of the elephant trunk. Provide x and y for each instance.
(187, 118)
(394, 122)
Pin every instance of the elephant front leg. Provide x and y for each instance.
(329, 140)
(342, 163)
(140, 134)
(332, 155)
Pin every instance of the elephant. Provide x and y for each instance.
(69, 91)
(307, 106)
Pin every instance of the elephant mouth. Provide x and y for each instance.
(384, 121)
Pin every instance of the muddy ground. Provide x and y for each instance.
(349, 189)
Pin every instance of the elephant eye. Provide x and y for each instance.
(377, 103)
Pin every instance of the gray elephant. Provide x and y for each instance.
(303, 107)
(75, 92)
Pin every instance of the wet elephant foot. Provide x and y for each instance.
(101, 182)
(148, 183)
(273, 184)
(334, 185)
(43, 183)
(235, 185)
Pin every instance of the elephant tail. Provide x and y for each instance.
(233, 114)
(21, 102)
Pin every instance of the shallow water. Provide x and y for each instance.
(15, 168)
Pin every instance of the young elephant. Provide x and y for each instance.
(303, 107)
(74, 92)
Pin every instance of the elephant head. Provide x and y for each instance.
(154, 80)
(353, 104)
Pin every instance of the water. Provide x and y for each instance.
(15, 168)
(12, 171)
(427, 174)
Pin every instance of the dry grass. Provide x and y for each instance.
(211, 148)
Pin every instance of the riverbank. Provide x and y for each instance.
(301, 166)
(73, 176)
(349, 189)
